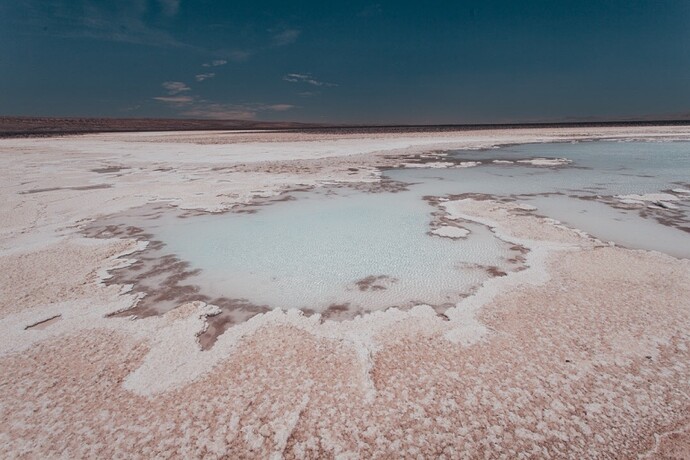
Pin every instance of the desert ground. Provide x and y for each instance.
(585, 353)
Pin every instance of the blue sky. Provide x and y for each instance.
(347, 62)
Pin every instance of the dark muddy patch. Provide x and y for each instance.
(375, 283)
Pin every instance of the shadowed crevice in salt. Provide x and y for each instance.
(43, 324)
(53, 189)
(110, 169)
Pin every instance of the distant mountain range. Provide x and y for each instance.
(33, 126)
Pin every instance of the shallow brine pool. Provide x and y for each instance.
(342, 252)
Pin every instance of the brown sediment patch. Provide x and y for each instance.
(436, 201)
(44, 323)
(52, 189)
(251, 208)
(663, 214)
(156, 274)
(519, 196)
(520, 248)
(454, 160)
(375, 283)
(257, 201)
(520, 259)
(491, 270)
(339, 312)
(362, 166)
(385, 185)
(233, 311)
(110, 169)
(494, 271)
(162, 279)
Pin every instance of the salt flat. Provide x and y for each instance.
(582, 352)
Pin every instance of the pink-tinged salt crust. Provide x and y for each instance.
(585, 354)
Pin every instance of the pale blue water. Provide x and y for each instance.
(309, 253)
(599, 169)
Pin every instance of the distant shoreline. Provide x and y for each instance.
(13, 127)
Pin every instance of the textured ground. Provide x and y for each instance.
(586, 354)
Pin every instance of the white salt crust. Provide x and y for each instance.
(451, 232)
(431, 164)
(546, 161)
(49, 271)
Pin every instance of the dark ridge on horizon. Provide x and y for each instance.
(54, 126)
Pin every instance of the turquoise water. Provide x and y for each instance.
(318, 250)
(312, 252)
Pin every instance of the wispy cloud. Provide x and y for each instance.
(215, 63)
(190, 105)
(286, 37)
(175, 100)
(306, 78)
(204, 76)
(175, 87)
(220, 112)
(278, 107)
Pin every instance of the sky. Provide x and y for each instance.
(402, 62)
